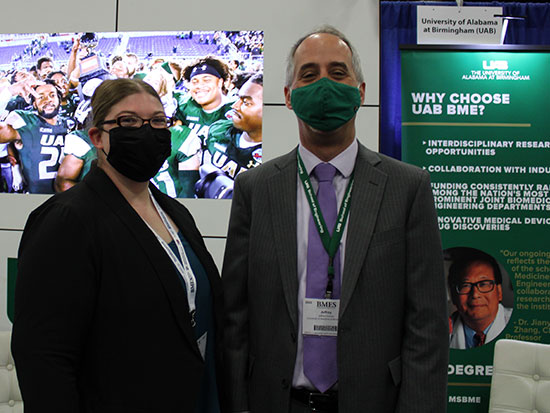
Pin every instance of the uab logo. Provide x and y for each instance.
(495, 65)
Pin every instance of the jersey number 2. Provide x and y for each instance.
(54, 153)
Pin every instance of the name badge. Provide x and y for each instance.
(320, 317)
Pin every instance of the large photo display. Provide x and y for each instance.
(210, 83)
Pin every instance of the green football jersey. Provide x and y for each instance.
(42, 148)
(196, 118)
(78, 144)
(172, 178)
(227, 151)
(69, 108)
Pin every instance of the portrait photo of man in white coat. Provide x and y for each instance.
(476, 289)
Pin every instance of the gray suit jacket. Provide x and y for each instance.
(393, 329)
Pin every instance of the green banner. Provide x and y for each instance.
(478, 122)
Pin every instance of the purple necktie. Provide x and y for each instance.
(320, 353)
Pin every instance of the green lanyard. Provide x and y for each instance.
(330, 243)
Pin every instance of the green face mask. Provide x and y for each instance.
(325, 104)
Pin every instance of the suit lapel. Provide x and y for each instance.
(368, 190)
(150, 249)
(282, 203)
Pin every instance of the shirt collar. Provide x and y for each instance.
(344, 161)
(469, 334)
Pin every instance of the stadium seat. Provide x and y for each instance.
(521, 377)
(10, 396)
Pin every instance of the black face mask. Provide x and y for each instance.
(139, 153)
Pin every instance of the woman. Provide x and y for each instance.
(118, 303)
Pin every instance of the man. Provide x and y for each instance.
(69, 101)
(234, 146)
(364, 328)
(40, 136)
(44, 66)
(78, 155)
(118, 68)
(18, 94)
(180, 171)
(164, 78)
(6, 175)
(132, 63)
(205, 103)
(475, 283)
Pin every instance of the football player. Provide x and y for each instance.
(206, 102)
(180, 172)
(132, 63)
(44, 66)
(69, 101)
(233, 146)
(164, 77)
(18, 94)
(118, 68)
(39, 135)
(6, 176)
(79, 154)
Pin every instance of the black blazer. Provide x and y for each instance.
(101, 318)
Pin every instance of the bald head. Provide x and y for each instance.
(355, 64)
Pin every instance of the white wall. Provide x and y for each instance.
(282, 21)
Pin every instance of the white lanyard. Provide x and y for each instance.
(183, 266)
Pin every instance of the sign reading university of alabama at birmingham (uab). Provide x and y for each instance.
(478, 121)
(458, 25)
